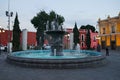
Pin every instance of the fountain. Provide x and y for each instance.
(56, 58)
(77, 47)
(57, 36)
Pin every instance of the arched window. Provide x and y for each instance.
(82, 37)
(82, 44)
(103, 30)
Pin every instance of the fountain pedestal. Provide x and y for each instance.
(57, 42)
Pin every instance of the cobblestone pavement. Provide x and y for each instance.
(110, 71)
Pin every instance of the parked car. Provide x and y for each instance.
(2, 48)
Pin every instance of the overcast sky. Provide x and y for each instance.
(81, 11)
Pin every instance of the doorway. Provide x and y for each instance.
(103, 45)
(113, 45)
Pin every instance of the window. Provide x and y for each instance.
(82, 44)
(103, 30)
(82, 37)
(94, 38)
(113, 29)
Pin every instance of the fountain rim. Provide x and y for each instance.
(99, 55)
(57, 63)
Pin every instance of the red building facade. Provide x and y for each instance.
(31, 38)
(4, 37)
(82, 37)
(93, 35)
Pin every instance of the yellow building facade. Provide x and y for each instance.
(109, 32)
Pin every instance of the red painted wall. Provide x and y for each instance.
(31, 39)
(94, 41)
(4, 37)
(82, 42)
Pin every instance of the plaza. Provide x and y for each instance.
(82, 43)
(110, 71)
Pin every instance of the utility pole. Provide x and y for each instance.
(9, 14)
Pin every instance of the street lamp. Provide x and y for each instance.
(98, 38)
(9, 14)
(2, 30)
(68, 35)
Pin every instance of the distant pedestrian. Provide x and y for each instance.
(107, 51)
(98, 48)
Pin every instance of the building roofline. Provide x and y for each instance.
(109, 18)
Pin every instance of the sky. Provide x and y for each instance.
(82, 12)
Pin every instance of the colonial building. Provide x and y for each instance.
(109, 32)
(93, 35)
(82, 37)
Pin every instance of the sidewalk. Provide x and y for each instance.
(111, 71)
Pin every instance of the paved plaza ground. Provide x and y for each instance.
(110, 71)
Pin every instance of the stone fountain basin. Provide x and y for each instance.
(93, 60)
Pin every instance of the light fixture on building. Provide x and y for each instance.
(97, 37)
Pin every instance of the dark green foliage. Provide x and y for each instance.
(83, 27)
(40, 22)
(52, 16)
(76, 35)
(88, 40)
(92, 28)
(16, 34)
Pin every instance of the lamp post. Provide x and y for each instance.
(98, 38)
(9, 14)
(68, 35)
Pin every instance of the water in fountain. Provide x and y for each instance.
(78, 50)
(78, 47)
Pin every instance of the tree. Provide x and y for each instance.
(83, 27)
(40, 22)
(76, 35)
(88, 40)
(16, 34)
(53, 16)
(92, 28)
